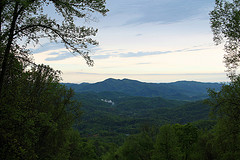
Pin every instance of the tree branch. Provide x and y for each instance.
(60, 35)
(8, 47)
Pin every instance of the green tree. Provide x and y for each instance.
(25, 21)
(187, 136)
(225, 24)
(37, 112)
(166, 146)
(135, 147)
(204, 148)
(225, 108)
(36, 116)
(80, 148)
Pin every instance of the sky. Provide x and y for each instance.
(150, 41)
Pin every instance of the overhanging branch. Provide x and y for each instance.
(63, 38)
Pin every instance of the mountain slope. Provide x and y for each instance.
(181, 90)
(128, 113)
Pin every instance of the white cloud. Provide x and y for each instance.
(157, 40)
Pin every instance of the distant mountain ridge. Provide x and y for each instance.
(180, 90)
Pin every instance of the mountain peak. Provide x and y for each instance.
(111, 79)
(120, 80)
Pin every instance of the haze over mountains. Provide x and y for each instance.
(180, 90)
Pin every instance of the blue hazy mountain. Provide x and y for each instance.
(180, 90)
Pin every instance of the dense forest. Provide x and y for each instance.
(109, 114)
(43, 119)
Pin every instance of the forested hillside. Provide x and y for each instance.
(112, 108)
(112, 114)
(181, 90)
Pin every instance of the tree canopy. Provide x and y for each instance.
(26, 21)
(225, 108)
(37, 112)
(225, 24)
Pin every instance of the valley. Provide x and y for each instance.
(115, 108)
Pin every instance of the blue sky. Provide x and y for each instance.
(151, 41)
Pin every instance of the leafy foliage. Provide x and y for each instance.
(25, 21)
(165, 145)
(36, 114)
(225, 20)
(226, 110)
